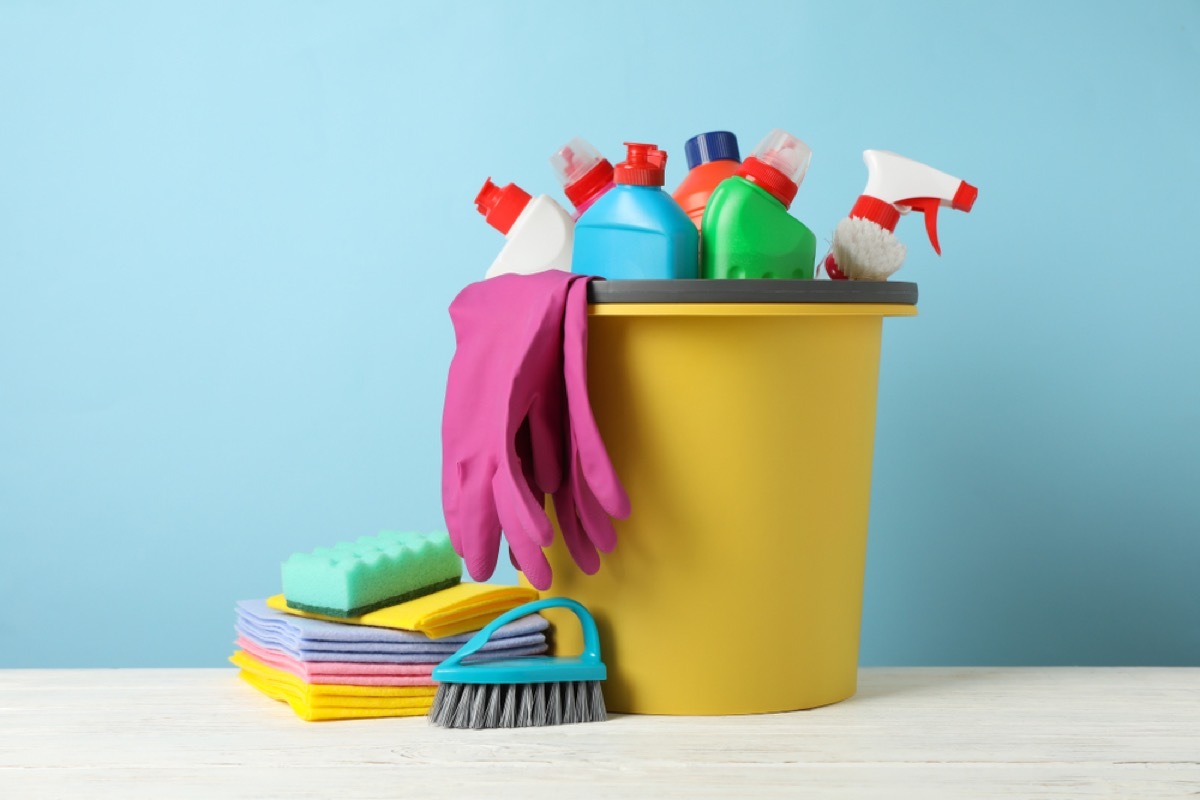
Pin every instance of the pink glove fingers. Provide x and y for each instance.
(583, 551)
(545, 431)
(597, 468)
(477, 526)
(525, 505)
(525, 453)
(592, 516)
(528, 555)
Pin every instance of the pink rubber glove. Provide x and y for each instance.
(504, 391)
(591, 492)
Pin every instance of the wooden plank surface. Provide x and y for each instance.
(922, 733)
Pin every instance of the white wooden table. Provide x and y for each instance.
(921, 733)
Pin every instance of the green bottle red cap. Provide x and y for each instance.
(501, 207)
(778, 165)
(644, 165)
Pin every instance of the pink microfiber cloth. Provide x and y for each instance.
(343, 672)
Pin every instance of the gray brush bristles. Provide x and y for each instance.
(517, 705)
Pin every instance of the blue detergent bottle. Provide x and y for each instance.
(636, 230)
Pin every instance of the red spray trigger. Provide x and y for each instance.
(929, 207)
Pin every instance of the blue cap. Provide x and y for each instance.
(712, 146)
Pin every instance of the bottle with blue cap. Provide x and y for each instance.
(712, 157)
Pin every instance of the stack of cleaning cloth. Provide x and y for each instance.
(328, 663)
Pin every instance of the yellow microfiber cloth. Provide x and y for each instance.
(314, 702)
(459, 609)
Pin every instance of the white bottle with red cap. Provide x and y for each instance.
(539, 231)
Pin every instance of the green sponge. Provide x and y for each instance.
(353, 578)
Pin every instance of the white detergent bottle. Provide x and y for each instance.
(539, 231)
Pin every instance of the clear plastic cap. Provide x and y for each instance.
(786, 153)
(574, 160)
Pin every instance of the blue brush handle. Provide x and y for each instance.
(591, 637)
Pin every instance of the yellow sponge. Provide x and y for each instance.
(461, 608)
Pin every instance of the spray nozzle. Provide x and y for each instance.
(908, 185)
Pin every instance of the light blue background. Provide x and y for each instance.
(229, 233)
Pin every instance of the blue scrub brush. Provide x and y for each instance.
(521, 692)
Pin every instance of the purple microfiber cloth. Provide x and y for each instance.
(415, 652)
(303, 631)
(416, 657)
(314, 640)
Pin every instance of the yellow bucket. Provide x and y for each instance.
(740, 416)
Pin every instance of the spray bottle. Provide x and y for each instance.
(864, 247)
(539, 231)
(585, 175)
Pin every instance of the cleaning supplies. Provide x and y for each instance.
(539, 232)
(712, 157)
(461, 608)
(585, 175)
(864, 247)
(332, 670)
(636, 230)
(353, 578)
(541, 690)
(747, 231)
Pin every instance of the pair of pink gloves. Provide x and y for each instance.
(518, 425)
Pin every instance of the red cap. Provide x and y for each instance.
(778, 185)
(644, 165)
(964, 198)
(501, 207)
(881, 212)
(592, 181)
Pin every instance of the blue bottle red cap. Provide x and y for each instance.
(711, 146)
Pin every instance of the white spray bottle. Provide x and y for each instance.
(540, 233)
(864, 247)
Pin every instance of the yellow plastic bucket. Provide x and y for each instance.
(740, 416)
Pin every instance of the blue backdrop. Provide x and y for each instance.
(229, 233)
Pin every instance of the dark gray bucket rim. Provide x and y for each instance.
(752, 291)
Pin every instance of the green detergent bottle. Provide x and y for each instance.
(747, 231)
